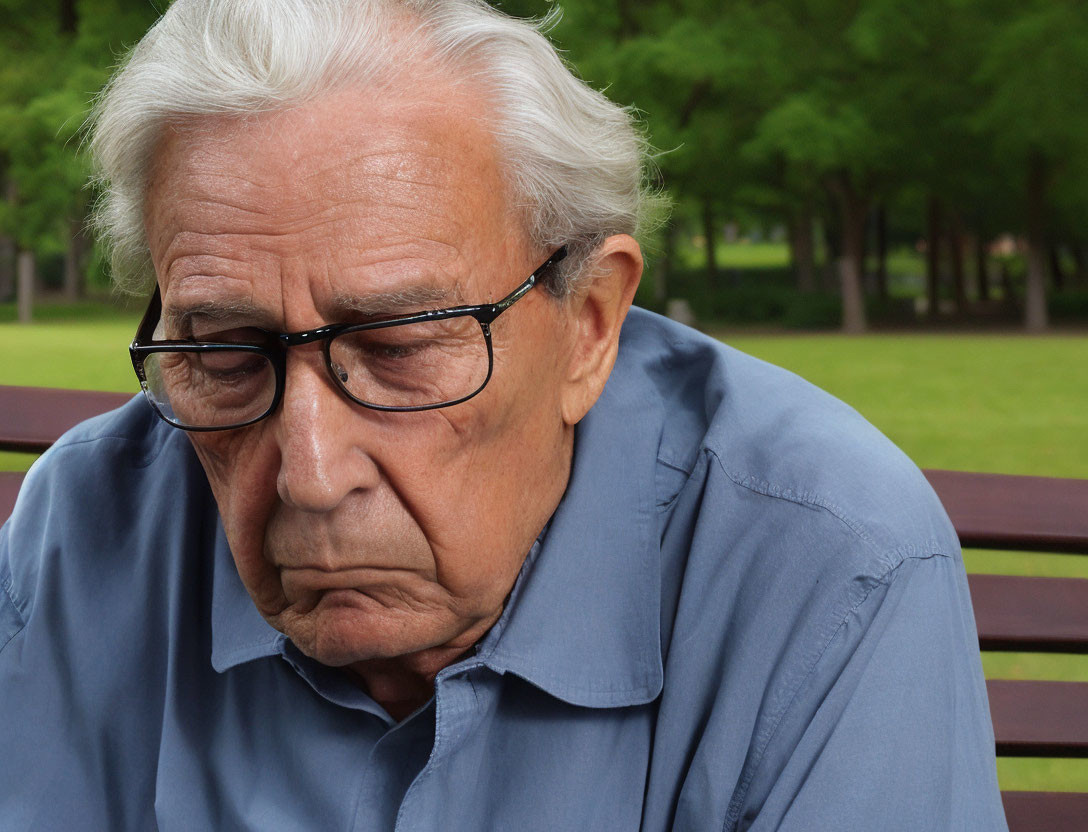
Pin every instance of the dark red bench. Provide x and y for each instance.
(990, 511)
(1043, 615)
(32, 419)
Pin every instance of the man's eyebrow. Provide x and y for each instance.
(408, 299)
(418, 298)
(177, 318)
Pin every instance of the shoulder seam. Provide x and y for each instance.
(768, 489)
(146, 460)
(890, 558)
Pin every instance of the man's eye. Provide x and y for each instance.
(394, 350)
(226, 364)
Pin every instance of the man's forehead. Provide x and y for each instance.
(387, 207)
(347, 144)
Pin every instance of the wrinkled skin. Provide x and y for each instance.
(385, 543)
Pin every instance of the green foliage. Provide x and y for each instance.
(48, 78)
(765, 110)
(769, 108)
(1070, 305)
(1035, 71)
(818, 310)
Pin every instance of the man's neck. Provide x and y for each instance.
(403, 684)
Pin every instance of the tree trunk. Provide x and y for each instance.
(7, 247)
(832, 252)
(803, 249)
(74, 261)
(955, 250)
(7, 267)
(853, 212)
(882, 252)
(982, 272)
(68, 18)
(711, 234)
(1007, 290)
(933, 258)
(1035, 312)
(27, 276)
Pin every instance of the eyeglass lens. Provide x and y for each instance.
(210, 389)
(412, 365)
(406, 365)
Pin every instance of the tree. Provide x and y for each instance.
(55, 57)
(1035, 80)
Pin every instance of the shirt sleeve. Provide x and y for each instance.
(899, 734)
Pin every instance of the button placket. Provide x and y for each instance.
(455, 703)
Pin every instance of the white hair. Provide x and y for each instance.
(575, 162)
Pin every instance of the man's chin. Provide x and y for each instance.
(346, 627)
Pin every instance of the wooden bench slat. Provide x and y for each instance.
(1031, 614)
(33, 418)
(1002, 511)
(9, 490)
(1046, 811)
(1039, 719)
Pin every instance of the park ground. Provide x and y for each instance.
(983, 402)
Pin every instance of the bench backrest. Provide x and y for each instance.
(1045, 615)
(1031, 719)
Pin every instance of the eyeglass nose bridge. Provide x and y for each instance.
(295, 339)
(322, 335)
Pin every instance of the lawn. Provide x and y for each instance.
(1013, 404)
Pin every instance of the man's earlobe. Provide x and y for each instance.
(597, 312)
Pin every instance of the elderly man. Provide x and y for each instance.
(411, 535)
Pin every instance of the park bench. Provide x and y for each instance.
(989, 511)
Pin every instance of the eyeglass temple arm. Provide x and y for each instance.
(529, 283)
(150, 319)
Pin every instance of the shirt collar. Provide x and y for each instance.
(239, 633)
(583, 621)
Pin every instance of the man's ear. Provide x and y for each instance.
(596, 312)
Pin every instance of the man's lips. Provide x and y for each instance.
(302, 580)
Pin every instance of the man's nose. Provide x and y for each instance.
(322, 438)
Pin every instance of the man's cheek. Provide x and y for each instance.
(217, 453)
(242, 476)
(245, 515)
(237, 463)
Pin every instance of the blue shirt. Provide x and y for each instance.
(749, 611)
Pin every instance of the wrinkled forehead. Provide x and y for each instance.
(356, 193)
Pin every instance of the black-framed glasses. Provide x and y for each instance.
(421, 361)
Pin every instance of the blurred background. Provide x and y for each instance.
(889, 197)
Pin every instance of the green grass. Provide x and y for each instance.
(85, 355)
(1011, 404)
(104, 309)
(752, 255)
(1042, 775)
(906, 267)
(739, 255)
